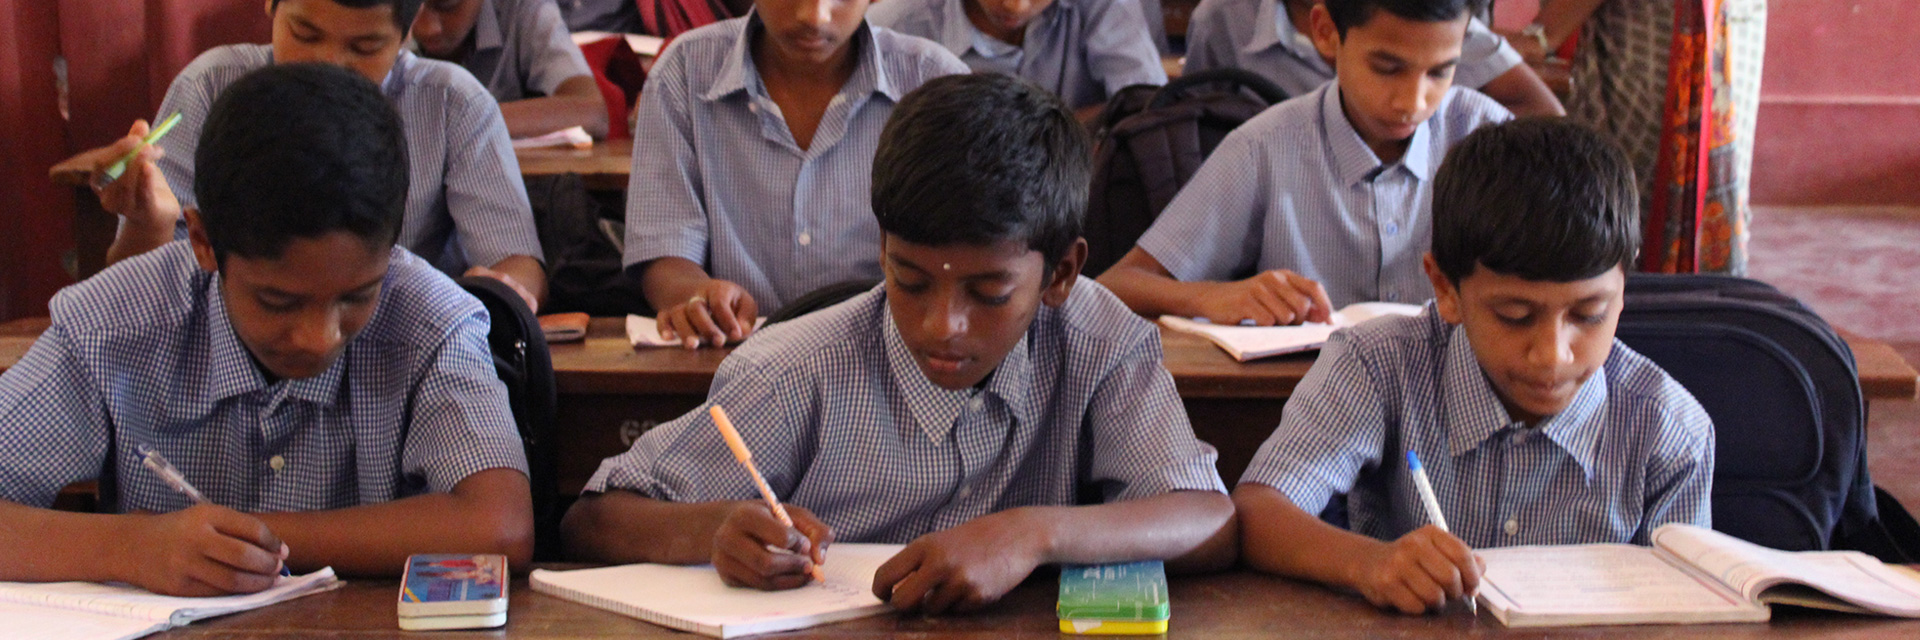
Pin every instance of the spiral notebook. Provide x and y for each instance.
(90, 610)
(693, 599)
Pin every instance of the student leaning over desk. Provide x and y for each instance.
(467, 210)
(522, 52)
(985, 405)
(331, 394)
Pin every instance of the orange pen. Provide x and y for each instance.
(745, 456)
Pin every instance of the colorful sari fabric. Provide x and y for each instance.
(1655, 74)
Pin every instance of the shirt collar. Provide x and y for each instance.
(937, 409)
(487, 33)
(233, 369)
(1273, 29)
(1354, 161)
(1474, 413)
(956, 32)
(738, 74)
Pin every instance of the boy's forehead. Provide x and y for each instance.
(329, 13)
(1411, 40)
(1494, 286)
(1005, 254)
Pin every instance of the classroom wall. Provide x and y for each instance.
(36, 213)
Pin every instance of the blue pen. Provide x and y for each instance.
(1432, 503)
(153, 461)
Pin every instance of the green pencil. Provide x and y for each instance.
(117, 168)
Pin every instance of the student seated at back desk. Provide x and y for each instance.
(1322, 197)
(332, 395)
(521, 51)
(1276, 39)
(467, 209)
(1534, 423)
(984, 405)
(752, 157)
(1082, 50)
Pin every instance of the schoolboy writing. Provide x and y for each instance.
(467, 209)
(752, 157)
(331, 394)
(1534, 424)
(1275, 39)
(521, 51)
(984, 405)
(1320, 201)
(1083, 50)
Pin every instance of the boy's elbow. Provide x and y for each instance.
(1214, 515)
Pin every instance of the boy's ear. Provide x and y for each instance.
(197, 236)
(1065, 272)
(269, 7)
(1446, 297)
(1326, 37)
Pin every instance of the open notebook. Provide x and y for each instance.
(643, 331)
(1253, 343)
(90, 610)
(1690, 575)
(694, 599)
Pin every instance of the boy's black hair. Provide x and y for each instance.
(980, 158)
(1543, 199)
(403, 10)
(1348, 14)
(298, 151)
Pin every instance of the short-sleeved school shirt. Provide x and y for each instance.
(521, 49)
(1082, 50)
(1297, 188)
(842, 422)
(1256, 35)
(466, 202)
(144, 353)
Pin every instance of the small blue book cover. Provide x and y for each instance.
(454, 584)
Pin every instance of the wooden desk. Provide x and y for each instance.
(604, 167)
(1230, 605)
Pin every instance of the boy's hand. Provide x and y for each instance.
(205, 550)
(752, 549)
(718, 312)
(1419, 572)
(962, 568)
(140, 195)
(1269, 298)
(525, 295)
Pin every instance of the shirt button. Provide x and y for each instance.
(277, 463)
(1513, 526)
(1520, 437)
(1392, 228)
(976, 403)
(806, 239)
(964, 492)
(1391, 297)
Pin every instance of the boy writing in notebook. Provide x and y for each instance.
(331, 395)
(752, 153)
(985, 405)
(467, 209)
(1082, 50)
(1535, 426)
(1276, 39)
(523, 54)
(1320, 201)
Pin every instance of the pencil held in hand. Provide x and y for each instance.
(745, 456)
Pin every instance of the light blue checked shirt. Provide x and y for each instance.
(718, 179)
(1296, 188)
(1634, 450)
(521, 49)
(842, 422)
(1257, 36)
(143, 353)
(1082, 50)
(466, 202)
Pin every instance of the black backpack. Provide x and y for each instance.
(579, 232)
(1784, 394)
(521, 360)
(1148, 144)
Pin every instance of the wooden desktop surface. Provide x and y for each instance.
(1228, 605)
(604, 167)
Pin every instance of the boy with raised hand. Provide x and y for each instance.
(467, 209)
(984, 405)
(1535, 425)
(1276, 39)
(1082, 50)
(1320, 201)
(752, 155)
(522, 52)
(331, 395)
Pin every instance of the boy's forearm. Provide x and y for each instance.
(1281, 538)
(624, 527)
(576, 102)
(1522, 92)
(1149, 289)
(44, 545)
(527, 271)
(133, 239)
(1192, 530)
(488, 512)
(670, 281)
